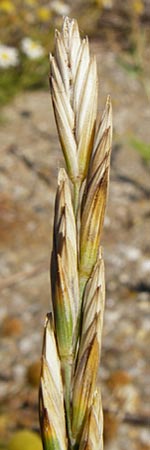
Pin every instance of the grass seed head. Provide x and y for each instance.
(70, 401)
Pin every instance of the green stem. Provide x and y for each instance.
(67, 372)
(77, 186)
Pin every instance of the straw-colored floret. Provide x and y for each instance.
(70, 400)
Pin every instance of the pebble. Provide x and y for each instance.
(131, 253)
(11, 326)
(19, 372)
(125, 397)
(111, 424)
(33, 373)
(25, 345)
(145, 266)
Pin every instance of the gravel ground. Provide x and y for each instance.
(29, 160)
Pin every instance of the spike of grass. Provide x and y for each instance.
(70, 401)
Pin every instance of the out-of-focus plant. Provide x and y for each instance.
(136, 9)
(26, 29)
(60, 7)
(32, 49)
(8, 56)
(138, 6)
(142, 148)
(108, 4)
(133, 60)
(23, 75)
(33, 22)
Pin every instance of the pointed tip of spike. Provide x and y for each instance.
(48, 319)
(51, 57)
(108, 102)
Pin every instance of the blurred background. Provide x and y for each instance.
(30, 157)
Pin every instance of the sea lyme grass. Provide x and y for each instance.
(70, 400)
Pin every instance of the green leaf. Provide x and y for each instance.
(133, 68)
(141, 147)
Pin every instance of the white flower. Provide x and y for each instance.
(60, 8)
(31, 48)
(8, 56)
(108, 4)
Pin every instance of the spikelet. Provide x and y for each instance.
(95, 197)
(93, 303)
(72, 75)
(89, 351)
(70, 401)
(52, 414)
(92, 437)
(64, 275)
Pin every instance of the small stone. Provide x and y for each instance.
(33, 373)
(145, 266)
(111, 424)
(11, 326)
(143, 446)
(132, 253)
(19, 371)
(118, 378)
(25, 345)
(23, 440)
(125, 395)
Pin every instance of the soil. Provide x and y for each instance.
(29, 161)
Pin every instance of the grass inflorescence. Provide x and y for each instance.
(70, 399)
